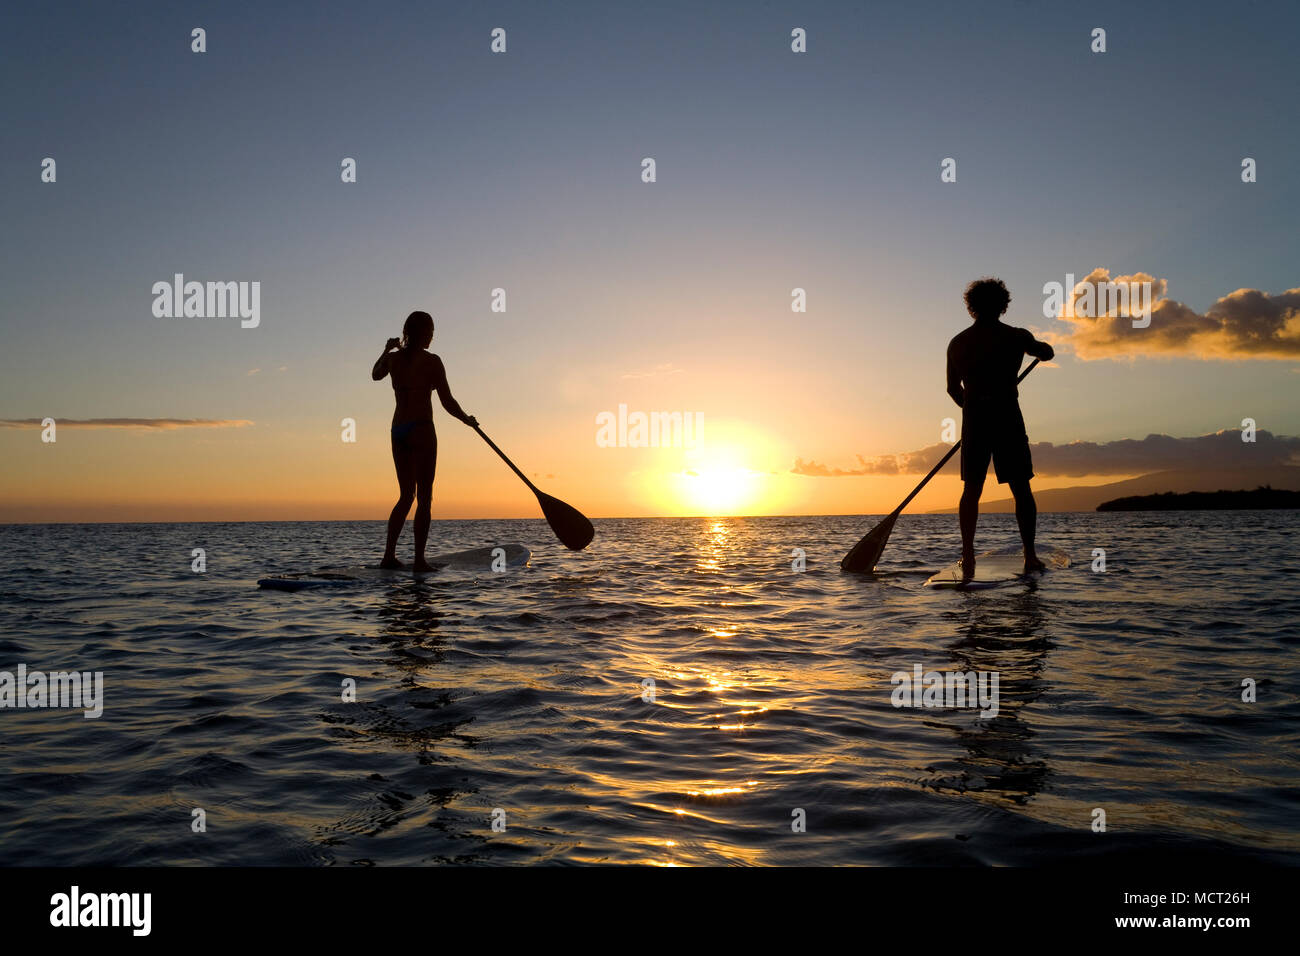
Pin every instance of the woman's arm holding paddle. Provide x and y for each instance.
(448, 400)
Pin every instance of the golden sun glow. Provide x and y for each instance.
(718, 480)
(719, 489)
(735, 470)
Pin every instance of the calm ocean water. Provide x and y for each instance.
(523, 692)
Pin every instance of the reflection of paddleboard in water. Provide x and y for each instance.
(476, 559)
(996, 568)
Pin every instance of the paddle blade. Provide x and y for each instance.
(867, 552)
(569, 524)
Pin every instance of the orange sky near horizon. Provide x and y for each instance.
(267, 472)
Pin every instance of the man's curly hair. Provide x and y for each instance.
(987, 298)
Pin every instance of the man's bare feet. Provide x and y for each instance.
(392, 564)
(1032, 564)
(967, 565)
(422, 565)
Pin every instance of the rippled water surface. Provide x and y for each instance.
(523, 692)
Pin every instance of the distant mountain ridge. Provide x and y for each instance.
(1260, 499)
(1088, 497)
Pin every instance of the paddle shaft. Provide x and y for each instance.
(946, 458)
(570, 525)
(522, 476)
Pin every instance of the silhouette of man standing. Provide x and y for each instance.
(983, 363)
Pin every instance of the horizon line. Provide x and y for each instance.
(701, 517)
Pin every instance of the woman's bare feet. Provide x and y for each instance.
(1032, 564)
(968, 564)
(422, 565)
(392, 564)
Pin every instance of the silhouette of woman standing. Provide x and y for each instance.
(416, 375)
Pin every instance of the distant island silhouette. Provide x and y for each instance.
(1088, 497)
(1262, 498)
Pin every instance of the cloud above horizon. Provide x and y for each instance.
(663, 369)
(165, 424)
(1127, 456)
(1245, 324)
